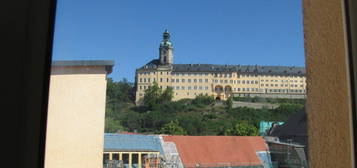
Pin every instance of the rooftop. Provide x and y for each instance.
(248, 69)
(131, 142)
(108, 64)
(211, 150)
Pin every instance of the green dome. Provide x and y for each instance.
(166, 43)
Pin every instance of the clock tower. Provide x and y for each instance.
(166, 48)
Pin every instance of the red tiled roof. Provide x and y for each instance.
(211, 151)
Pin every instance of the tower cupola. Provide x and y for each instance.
(166, 49)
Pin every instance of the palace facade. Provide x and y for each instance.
(220, 81)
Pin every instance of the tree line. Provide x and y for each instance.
(158, 114)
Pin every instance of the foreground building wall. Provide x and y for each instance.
(76, 111)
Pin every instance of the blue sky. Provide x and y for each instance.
(245, 32)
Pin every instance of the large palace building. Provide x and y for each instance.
(220, 81)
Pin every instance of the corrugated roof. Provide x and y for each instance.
(244, 69)
(211, 151)
(131, 142)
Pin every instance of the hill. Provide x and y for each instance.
(199, 116)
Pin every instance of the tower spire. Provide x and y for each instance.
(166, 48)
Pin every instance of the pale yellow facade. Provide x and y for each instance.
(76, 115)
(219, 84)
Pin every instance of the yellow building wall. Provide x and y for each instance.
(75, 123)
(184, 83)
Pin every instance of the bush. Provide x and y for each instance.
(202, 100)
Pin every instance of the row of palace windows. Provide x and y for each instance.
(214, 74)
(269, 90)
(190, 87)
(281, 85)
(189, 80)
(148, 80)
(301, 81)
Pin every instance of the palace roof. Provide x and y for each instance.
(215, 68)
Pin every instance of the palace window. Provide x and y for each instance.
(189, 80)
(160, 79)
(177, 87)
(182, 80)
(200, 80)
(182, 87)
(195, 80)
(177, 80)
(200, 87)
(149, 80)
(195, 87)
(247, 81)
(243, 81)
(140, 88)
(206, 87)
(189, 87)
(206, 80)
(225, 81)
(172, 80)
(140, 80)
(262, 85)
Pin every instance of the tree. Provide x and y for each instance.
(152, 96)
(173, 128)
(242, 128)
(229, 103)
(167, 95)
(112, 125)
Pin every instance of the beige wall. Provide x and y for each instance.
(328, 96)
(76, 111)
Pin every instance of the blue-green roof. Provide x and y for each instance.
(266, 125)
(130, 142)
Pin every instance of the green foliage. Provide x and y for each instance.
(173, 128)
(155, 96)
(199, 116)
(152, 96)
(112, 125)
(229, 103)
(270, 100)
(242, 128)
(203, 100)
